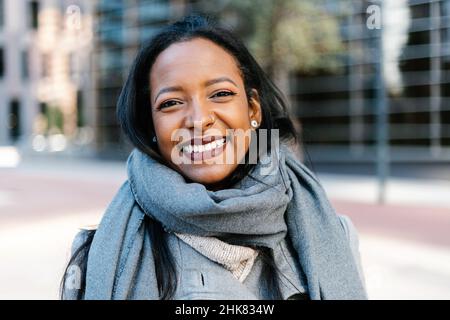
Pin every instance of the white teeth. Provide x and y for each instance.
(205, 147)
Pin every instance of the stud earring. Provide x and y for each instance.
(254, 123)
(154, 139)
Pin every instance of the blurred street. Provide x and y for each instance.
(405, 245)
(43, 202)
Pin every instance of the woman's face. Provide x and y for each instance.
(198, 98)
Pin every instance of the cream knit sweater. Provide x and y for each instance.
(237, 259)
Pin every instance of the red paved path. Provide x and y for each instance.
(37, 196)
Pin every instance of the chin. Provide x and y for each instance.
(207, 175)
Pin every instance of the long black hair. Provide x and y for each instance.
(135, 117)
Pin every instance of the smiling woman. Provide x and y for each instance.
(206, 229)
(208, 94)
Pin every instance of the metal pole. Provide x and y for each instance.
(356, 101)
(382, 119)
(435, 96)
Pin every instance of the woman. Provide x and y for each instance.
(206, 212)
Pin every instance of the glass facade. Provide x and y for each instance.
(338, 110)
(336, 107)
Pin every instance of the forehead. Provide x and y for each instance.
(193, 59)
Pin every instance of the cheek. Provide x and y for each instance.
(164, 127)
(236, 117)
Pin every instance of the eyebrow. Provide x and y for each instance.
(206, 84)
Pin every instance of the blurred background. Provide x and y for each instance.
(368, 83)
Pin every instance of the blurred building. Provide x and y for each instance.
(63, 63)
(338, 109)
(18, 104)
(45, 51)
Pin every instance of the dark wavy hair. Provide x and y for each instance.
(135, 118)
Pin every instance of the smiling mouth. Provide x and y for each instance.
(204, 148)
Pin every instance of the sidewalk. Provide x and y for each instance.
(405, 243)
(400, 191)
(34, 254)
(399, 269)
(43, 202)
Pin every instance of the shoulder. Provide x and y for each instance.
(353, 238)
(349, 228)
(74, 272)
(82, 236)
(351, 232)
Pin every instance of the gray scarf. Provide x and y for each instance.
(289, 201)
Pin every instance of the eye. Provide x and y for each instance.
(168, 104)
(221, 94)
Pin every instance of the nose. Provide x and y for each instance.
(199, 116)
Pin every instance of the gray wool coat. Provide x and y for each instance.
(201, 278)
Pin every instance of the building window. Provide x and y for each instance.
(14, 120)
(33, 13)
(45, 66)
(43, 108)
(446, 32)
(80, 109)
(2, 13)
(24, 64)
(2, 62)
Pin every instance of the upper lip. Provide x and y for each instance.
(200, 141)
